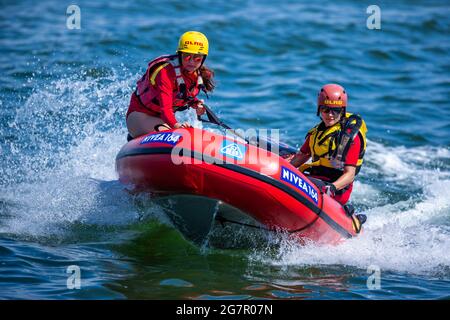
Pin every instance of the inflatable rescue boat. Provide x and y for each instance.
(203, 177)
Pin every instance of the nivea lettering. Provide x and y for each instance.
(169, 137)
(295, 180)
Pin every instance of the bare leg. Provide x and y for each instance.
(139, 123)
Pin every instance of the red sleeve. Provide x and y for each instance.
(305, 147)
(353, 152)
(165, 86)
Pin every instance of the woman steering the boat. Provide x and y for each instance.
(336, 145)
(171, 83)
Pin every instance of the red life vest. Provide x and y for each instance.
(145, 89)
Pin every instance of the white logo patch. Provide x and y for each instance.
(233, 150)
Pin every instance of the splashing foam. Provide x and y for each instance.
(68, 176)
(410, 236)
(68, 135)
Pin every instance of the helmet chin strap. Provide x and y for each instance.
(203, 61)
(179, 53)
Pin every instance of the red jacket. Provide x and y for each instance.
(165, 93)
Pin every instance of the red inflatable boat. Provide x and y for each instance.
(210, 177)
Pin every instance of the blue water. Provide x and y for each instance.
(64, 94)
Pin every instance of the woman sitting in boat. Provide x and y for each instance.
(171, 83)
(336, 145)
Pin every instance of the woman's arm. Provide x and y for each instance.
(299, 159)
(350, 165)
(303, 154)
(165, 83)
(347, 177)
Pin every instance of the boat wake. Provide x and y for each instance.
(55, 184)
(410, 235)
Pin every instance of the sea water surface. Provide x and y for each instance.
(63, 98)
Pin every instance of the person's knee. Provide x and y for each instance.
(133, 126)
(140, 123)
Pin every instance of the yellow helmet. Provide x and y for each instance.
(193, 42)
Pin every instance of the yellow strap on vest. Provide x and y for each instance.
(155, 73)
(306, 166)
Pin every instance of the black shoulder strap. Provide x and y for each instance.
(354, 127)
(345, 137)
